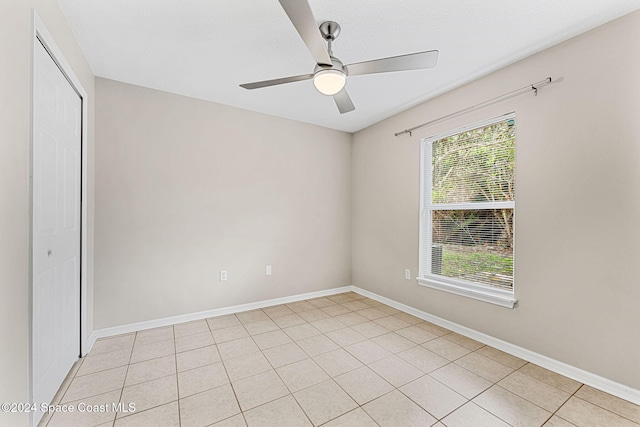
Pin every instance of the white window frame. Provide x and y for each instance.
(502, 297)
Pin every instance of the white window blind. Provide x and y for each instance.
(468, 208)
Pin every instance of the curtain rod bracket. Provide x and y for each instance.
(534, 86)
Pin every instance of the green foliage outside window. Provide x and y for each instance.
(476, 166)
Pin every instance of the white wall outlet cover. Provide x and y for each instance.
(267, 270)
(407, 274)
(223, 275)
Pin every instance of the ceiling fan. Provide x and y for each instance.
(330, 74)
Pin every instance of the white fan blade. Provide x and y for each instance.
(300, 14)
(412, 61)
(266, 83)
(343, 101)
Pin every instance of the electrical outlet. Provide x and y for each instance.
(223, 275)
(267, 270)
(407, 274)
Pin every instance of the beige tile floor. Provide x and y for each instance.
(342, 360)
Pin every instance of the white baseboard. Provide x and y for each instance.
(90, 342)
(166, 321)
(620, 390)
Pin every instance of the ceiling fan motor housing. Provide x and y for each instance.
(330, 30)
(336, 64)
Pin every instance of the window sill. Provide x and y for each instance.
(482, 293)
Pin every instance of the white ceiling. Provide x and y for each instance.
(206, 48)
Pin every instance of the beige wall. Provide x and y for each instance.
(577, 204)
(185, 188)
(15, 95)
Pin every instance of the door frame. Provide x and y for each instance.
(40, 34)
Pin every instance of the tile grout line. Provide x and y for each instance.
(444, 416)
(143, 382)
(175, 360)
(398, 388)
(125, 377)
(235, 395)
(126, 374)
(545, 383)
(360, 406)
(244, 417)
(309, 357)
(470, 400)
(269, 362)
(564, 403)
(574, 394)
(597, 405)
(308, 320)
(175, 348)
(288, 364)
(49, 415)
(133, 385)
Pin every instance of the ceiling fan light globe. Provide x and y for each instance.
(329, 82)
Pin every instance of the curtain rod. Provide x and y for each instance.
(532, 87)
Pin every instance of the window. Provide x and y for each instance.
(468, 209)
